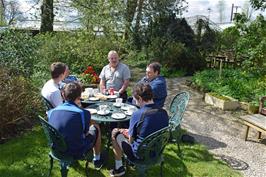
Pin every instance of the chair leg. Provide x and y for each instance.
(51, 165)
(179, 149)
(141, 171)
(161, 169)
(86, 168)
(64, 169)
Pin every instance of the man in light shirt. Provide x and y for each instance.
(50, 89)
(115, 75)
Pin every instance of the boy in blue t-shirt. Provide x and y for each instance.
(74, 124)
(148, 119)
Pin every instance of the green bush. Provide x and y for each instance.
(19, 101)
(18, 52)
(234, 83)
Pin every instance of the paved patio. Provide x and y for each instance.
(221, 132)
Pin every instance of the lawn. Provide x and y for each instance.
(27, 156)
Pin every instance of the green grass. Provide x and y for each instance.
(27, 156)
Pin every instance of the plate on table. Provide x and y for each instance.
(92, 111)
(126, 107)
(112, 96)
(102, 113)
(94, 99)
(117, 105)
(118, 115)
(128, 113)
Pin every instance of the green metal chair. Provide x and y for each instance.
(150, 151)
(177, 109)
(58, 147)
(47, 104)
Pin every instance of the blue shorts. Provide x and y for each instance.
(89, 142)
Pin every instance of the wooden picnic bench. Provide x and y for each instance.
(256, 121)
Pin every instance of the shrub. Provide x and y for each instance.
(18, 100)
(18, 52)
(234, 83)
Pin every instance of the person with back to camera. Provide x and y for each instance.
(51, 89)
(148, 119)
(75, 124)
(115, 76)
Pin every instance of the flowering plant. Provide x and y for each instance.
(89, 76)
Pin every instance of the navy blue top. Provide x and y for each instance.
(152, 122)
(70, 78)
(159, 89)
(72, 122)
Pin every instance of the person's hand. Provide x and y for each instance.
(121, 91)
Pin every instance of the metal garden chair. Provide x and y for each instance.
(47, 104)
(58, 147)
(150, 151)
(177, 109)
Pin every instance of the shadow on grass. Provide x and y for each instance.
(209, 142)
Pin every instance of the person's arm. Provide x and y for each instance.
(102, 81)
(102, 86)
(126, 77)
(124, 86)
(56, 98)
(158, 89)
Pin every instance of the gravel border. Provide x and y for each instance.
(221, 132)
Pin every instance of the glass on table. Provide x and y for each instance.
(118, 101)
(96, 91)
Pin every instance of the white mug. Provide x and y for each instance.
(118, 101)
(89, 91)
(131, 109)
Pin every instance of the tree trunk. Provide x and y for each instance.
(129, 15)
(137, 36)
(2, 12)
(47, 16)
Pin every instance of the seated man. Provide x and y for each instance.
(51, 88)
(148, 119)
(73, 123)
(69, 78)
(115, 75)
(157, 83)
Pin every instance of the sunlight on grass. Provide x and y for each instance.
(27, 156)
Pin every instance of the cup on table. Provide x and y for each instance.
(103, 108)
(95, 91)
(89, 91)
(118, 101)
(130, 110)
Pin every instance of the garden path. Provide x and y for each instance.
(221, 132)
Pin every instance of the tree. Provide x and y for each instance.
(9, 12)
(47, 16)
(258, 4)
(2, 12)
(248, 9)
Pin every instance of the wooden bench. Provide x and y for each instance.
(256, 121)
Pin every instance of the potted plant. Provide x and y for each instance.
(223, 102)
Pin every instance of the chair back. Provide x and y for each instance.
(177, 108)
(47, 104)
(55, 140)
(151, 148)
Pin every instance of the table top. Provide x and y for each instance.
(256, 119)
(113, 109)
